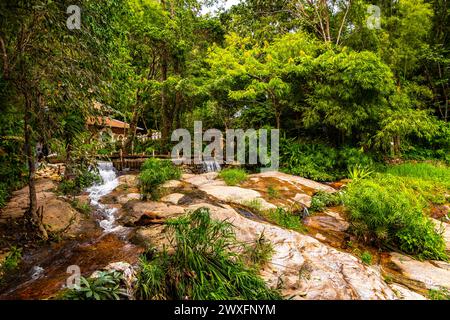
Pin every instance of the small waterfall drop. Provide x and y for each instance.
(211, 166)
(108, 184)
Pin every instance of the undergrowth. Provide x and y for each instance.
(202, 265)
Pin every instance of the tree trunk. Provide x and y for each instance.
(165, 121)
(31, 215)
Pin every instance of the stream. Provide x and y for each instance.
(44, 271)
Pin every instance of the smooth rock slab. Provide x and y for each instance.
(173, 198)
(307, 268)
(428, 274)
(236, 195)
(405, 294)
(296, 180)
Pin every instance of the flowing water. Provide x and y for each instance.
(100, 241)
(211, 166)
(108, 184)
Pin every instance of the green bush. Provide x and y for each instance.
(202, 266)
(155, 172)
(82, 180)
(233, 176)
(105, 286)
(12, 260)
(321, 162)
(387, 210)
(322, 199)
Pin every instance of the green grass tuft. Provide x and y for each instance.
(202, 265)
(233, 176)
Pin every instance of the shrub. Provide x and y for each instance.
(105, 286)
(319, 161)
(202, 266)
(390, 212)
(82, 180)
(155, 172)
(322, 199)
(12, 260)
(233, 176)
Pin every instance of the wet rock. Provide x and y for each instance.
(296, 180)
(303, 199)
(124, 198)
(208, 178)
(148, 212)
(129, 180)
(443, 228)
(172, 184)
(425, 274)
(152, 236)
(306, 268)
(59, 215)
(236, 195)
(328, 220)
(440, 211)
(173, 198)
(403, 293)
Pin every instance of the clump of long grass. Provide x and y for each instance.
(201, 266)
(233, 176)
(389, 211)
(154, 172)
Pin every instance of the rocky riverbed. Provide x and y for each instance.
(321, 263)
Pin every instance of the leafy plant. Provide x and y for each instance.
(321, 200)
(74, 185)
(233, 176)
(202, 264)
(366, 257)
(155, 172)
(82, 207)
(260, 252)
(359, 172)
(388, 211)
(12, 260)
(439, 294)
(104, 286)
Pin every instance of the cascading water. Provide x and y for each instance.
(211, 166)
(109, 183)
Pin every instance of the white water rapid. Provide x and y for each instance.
(108, 184)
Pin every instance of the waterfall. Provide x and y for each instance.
(211, 166)
(108, 184)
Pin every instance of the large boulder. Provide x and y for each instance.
(141, 213)
(420, 274)
(306, 268)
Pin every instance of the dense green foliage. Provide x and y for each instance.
(12, 260)
(154, 172)
(320, 162)
(321, 200)
(233, 176)
(202, 265)
(389, 211)
(75, 185)
(104, 286)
